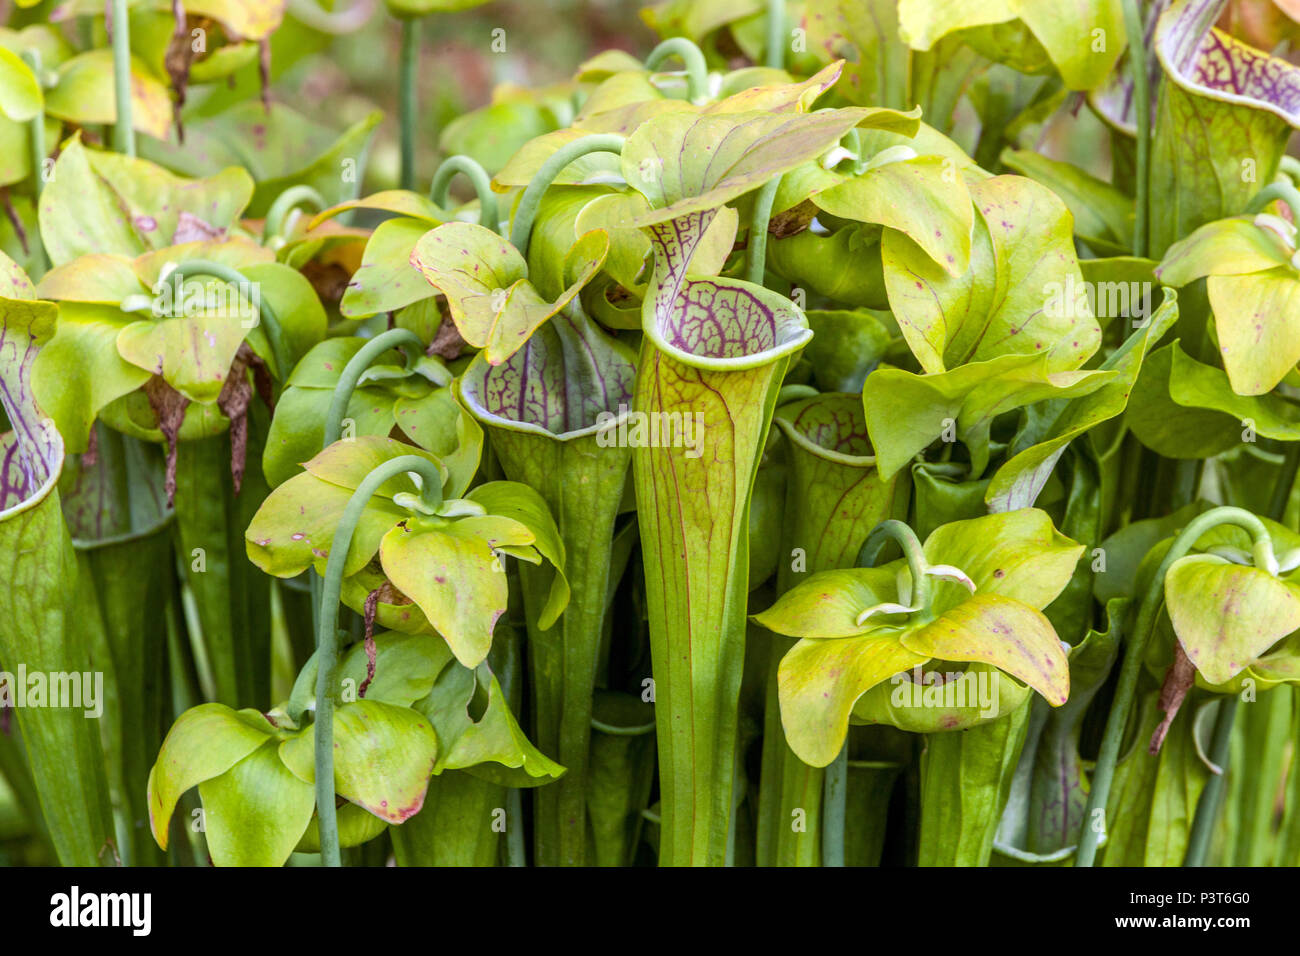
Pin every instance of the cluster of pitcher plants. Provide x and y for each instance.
(763, 449)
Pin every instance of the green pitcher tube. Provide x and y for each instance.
(552, 412)
(834, 497)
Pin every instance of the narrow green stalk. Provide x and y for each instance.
(285, 203)
(526, 213)
(36, 128)
(1104, 773)
(194, 268)
(1137, 59)
(123, 131)
(327, 643)
(757, 260)
(488, 217)
(834, 805)
(408, 98)
(775, 52)
(697, 70)
(516, 852)
(338, 409)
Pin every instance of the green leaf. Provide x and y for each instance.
(845, 347)
(346, 463)
(294, 528)
(14, 283)
(592, 168)
(298, 427)
(279, 148)
(828, 603)
(382, 761)
(1068, 32)
(297, 308)
(1012, 636)
(821, 680)
(682, 163)
(255, 813)
(21, 99)
(864, 34)
(494, 133)
(1259, 335)
(386, 280)
(1103, 216)
(906, 412)
(453, 573)
(844, 267)
(356, 826)
(205, 742)
(105, 203)
(523, 504)
(1014, 554)
(250, 19)
(83, 95)
(1181, 408)
(101, 279)
(1226, 247)
(924, 198)
(1226, 615)
(793, 97)
(406, 667)
(192, 355)
(1016, 299)
(400, 202)
(80, 371)
(494, 306)
(492, 746)
(1019, 481)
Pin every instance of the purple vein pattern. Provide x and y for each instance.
(563, 377)
(32, 452)
(708, 318)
